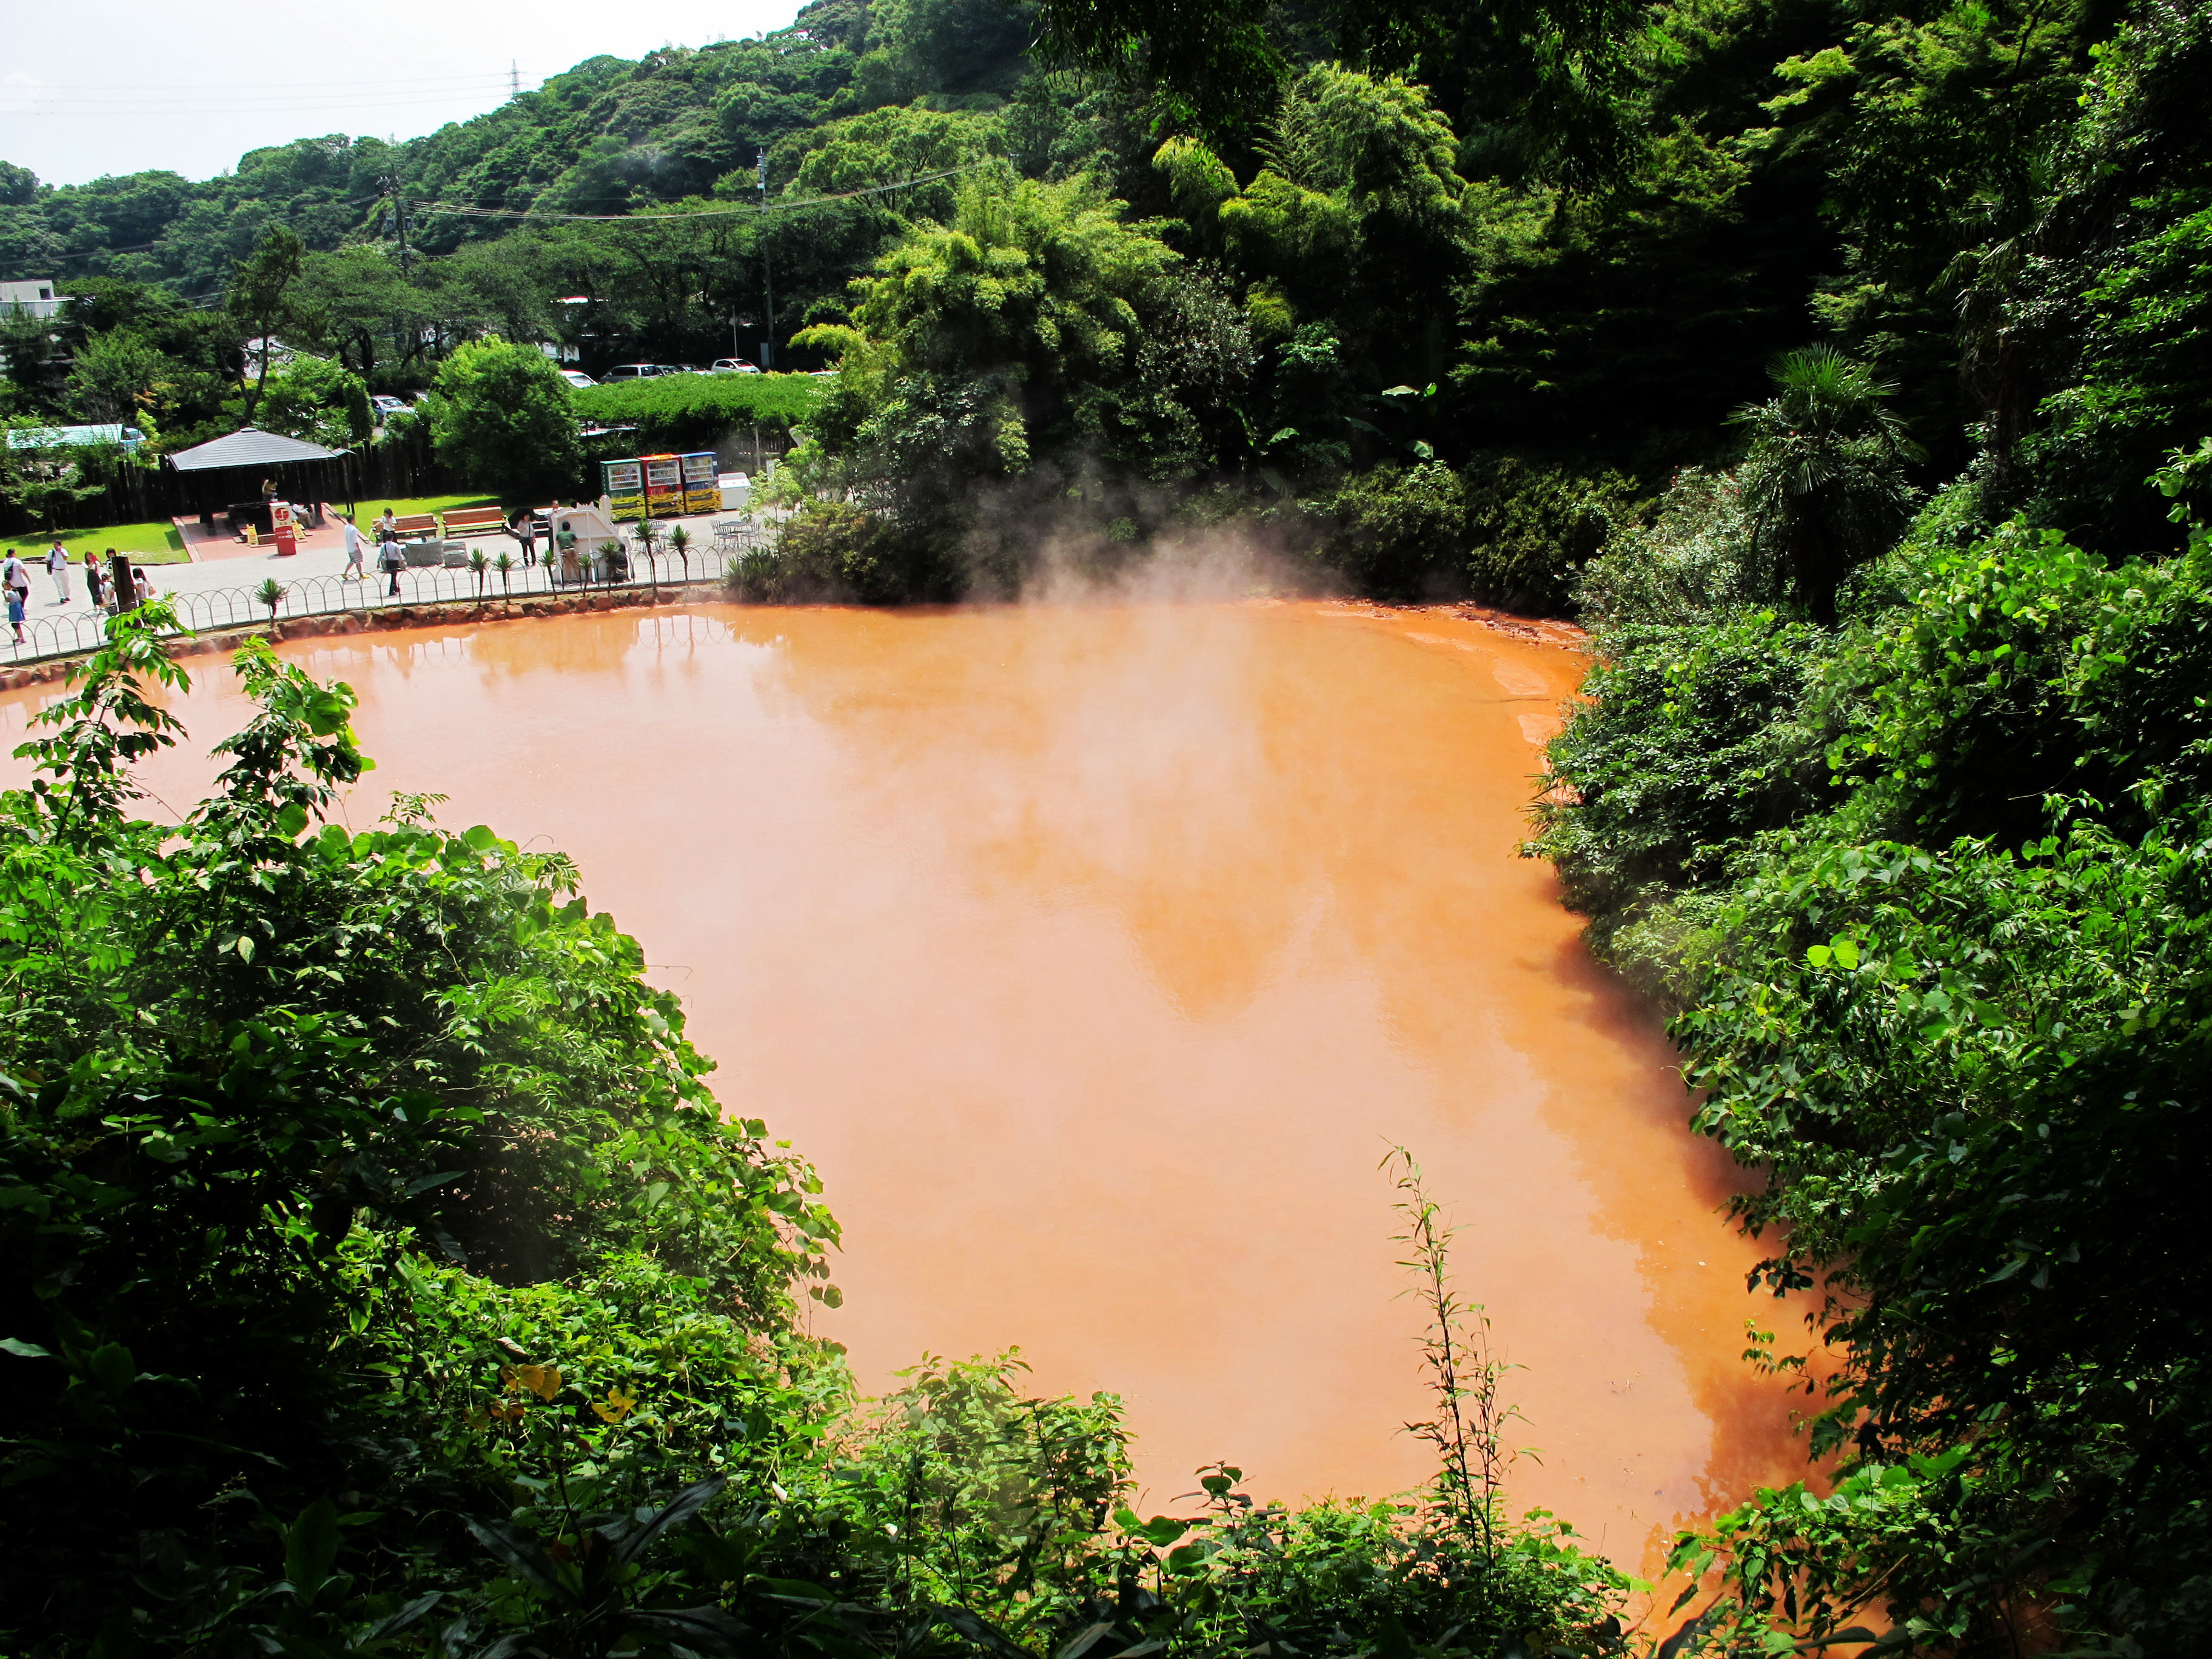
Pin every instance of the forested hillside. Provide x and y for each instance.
(1527, 260)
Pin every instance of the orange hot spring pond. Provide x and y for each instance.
(1096, 955)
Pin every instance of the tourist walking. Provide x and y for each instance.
(352, 550)
(16, 577)
(57, 567)
(390, 559)
(92, 583)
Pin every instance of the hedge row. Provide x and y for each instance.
(687, 411)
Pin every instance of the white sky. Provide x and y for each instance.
(131, 84)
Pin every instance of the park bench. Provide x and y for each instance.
(473, 520)
(417, 525)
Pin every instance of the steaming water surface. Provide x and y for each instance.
(1097, 956)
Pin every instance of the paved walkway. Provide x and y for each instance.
(323, 554)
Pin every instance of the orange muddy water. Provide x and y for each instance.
(1096, 955)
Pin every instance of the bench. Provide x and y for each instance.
(415, 525)
(473, 520)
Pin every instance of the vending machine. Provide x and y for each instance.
(663, 486)
(625, 488)
(702, 493)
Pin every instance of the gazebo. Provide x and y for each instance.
(226, 475)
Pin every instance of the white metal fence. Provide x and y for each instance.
(709, 559)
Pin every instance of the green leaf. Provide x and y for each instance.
(679, 1509)
(112, 1368)
(311, 1548)
(1190, 1557)
(702, 1630)
(291, 818)
(520, 1552)
(21, 1349)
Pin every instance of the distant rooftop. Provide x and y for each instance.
(34, 295)
(53, 437)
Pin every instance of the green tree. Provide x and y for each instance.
(319, 400)
(45, 477)
(1356, 218)
(116, 376)
(1824, 481)
(1036, 334)
(261, 299)
(501, 415)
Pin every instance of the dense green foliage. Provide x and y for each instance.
(1929, 893)
(675, 413)
(1529, 242)
(500, 416)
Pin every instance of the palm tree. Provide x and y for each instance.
(505, 565)
(679, 543)
(271, 593)
(1824, 480)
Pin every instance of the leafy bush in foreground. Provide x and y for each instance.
(1930, 890)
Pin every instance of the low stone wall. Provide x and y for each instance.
(430, 614)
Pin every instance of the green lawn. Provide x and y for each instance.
(153, 542)
(158, 542)
(366, 507)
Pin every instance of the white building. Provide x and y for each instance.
(35, 297)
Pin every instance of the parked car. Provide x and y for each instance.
(733, 366)
(386, 406)
(577, 378)
(640, 371)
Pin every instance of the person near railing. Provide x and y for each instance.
(57, 567)
(391, 559)
(523, 527)
(353, 549)
(141, 583)
(93, 584)
(565, 542)
(16, 577)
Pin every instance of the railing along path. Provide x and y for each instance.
(205, 609)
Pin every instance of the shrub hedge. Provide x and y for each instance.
(692, 411)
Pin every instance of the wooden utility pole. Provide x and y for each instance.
(767, 272)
